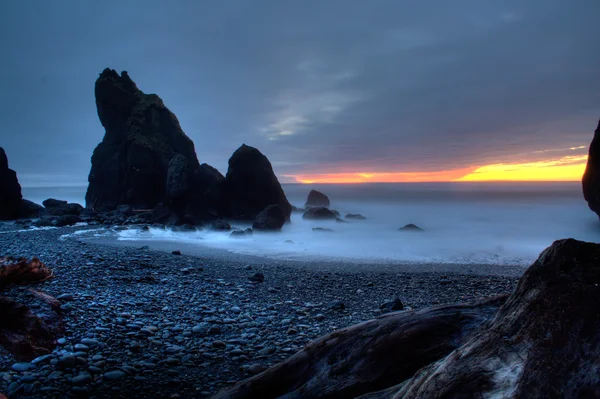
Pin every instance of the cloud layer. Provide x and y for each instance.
(320, 87)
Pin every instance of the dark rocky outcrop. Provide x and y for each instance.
(10, 190)
(56, 207)
(411, 228)
(251, 185)
(272, 218)
(319, 213)
(317, 198)
(591, 177)
(12, 204)
(142, 136)
(543, 341)
(146, 161)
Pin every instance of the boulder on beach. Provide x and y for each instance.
(272, 218)
(539, 342)
(591, 177)
(317, 198)
(251, 185)
(12, 204)
(319, 213)
(411, 228)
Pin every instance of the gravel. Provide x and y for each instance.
(142, 322)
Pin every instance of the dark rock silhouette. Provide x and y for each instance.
(241, 233)
(56, 207)
(251, 185)
(12, 204)
(10, 190)
(543, 341)
(319, 213)
(355, 216)
(130, 165)
(591, 177)
(411, 227)
(272, 218)
(317, 198)
(146, 162)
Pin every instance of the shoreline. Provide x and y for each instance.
(188, 325)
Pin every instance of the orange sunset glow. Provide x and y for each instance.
(568, 168)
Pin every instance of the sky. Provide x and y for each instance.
(330, 91)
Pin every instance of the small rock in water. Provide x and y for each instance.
(411, 227)
(355, 216)
(65, 297)
(321, 229)
(176, 252)
(257, 278)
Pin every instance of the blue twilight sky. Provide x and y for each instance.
(318, 86)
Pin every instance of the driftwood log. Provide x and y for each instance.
(541, 342)
(24, 332)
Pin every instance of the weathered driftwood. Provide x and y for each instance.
(25, 332)
(370, 356)
(22, 271)
(543, 342)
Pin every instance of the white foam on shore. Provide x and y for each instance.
(493, 224)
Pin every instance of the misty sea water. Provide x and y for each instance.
(478, 223)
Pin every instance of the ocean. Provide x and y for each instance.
(465, 223)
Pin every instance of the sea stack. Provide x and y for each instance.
(317, 198)
(131, 164)
(251, 185)
(10, 190)
(12, 204)
(591, 177)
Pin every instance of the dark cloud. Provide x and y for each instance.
(318, 86)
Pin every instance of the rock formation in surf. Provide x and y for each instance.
(319, 213)
(146, 161)
(272, 218)
(591, 177)
(12, 204)
(317, 198)
(131, 163)
(251, 185)
(543, 341)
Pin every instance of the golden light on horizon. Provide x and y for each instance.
(568, 168)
